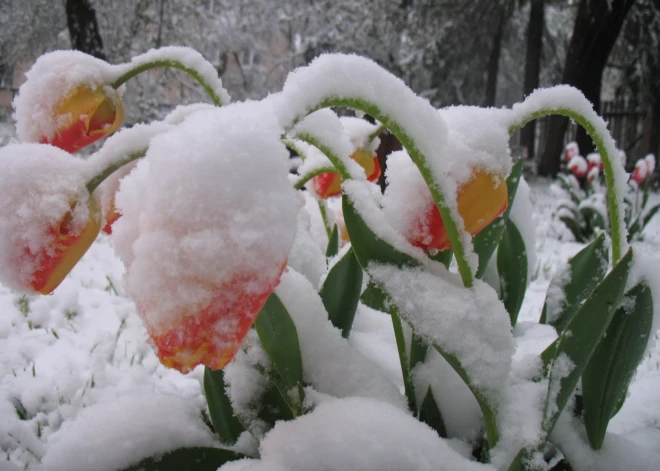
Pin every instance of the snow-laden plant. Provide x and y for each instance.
(210, 228)
(581, 196)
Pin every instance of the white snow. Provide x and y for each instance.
(128, 423)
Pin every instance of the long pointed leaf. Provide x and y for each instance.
(187, 459)
(224, 421)
(571, 286)
(569, 355)
(374, 297)
(512, 268)
(340, 292)
(606, 379)
(430, 414)
(279, 337)
(333, 243)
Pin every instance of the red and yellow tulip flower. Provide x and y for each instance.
(54, 261)
(328, 184)
(482, 199)
(212, 336)
(87, 116)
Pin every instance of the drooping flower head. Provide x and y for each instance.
(650, 163)
(594, 160)
(66, 101)
(358, 131)
(641, 171)
(47, 220)
(578, 165)
(570, 151)
(208, 220)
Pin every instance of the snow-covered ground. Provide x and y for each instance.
(85, 345)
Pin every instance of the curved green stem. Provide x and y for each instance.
(292, 145)
(403, 357)
(340, 168)
(300, 184)
(110, 169)
(614, 208)
(324, 217)
(377, 132)
(129, 74)
(396, 128)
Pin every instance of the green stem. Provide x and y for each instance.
(129, 74)
(291, 144)
(340, 168)
(110, 169)
(377, 132)
(300, 184)
(614, 208)
(396, 128)
(324, 217)
(403, 357)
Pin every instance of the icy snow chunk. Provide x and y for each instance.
(469, 323)
(52, 77)
(358, 433)
(210, 201)
(556, 296)
(330, 364)
(358, 131)
(306, 256)
(38, 183)
(521, 215)
(121, 432)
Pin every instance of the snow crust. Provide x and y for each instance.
(470, 324)
(127, 434)
(356, 433)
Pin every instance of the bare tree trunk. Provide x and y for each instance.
(596, 29)
(533, 67)
(494, 61)
(83, 28)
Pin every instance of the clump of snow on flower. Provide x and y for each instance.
(39, 183)
(53, 77)
(209, 203)
(469, 323)
(357, 433)
(133, 427)
(358, 131)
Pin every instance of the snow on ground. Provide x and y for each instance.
(85, 345)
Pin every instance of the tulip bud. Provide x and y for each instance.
(578, 165)
(640, 172)
(86, 116)
(570, 151)
(480, 200)
(328, 184)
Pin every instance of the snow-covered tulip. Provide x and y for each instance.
(640, 172)
(594, 160)
(48, 220)
(480, 200)
(570, 151)
(593, 174)
(207, 223)
(68, 243)
(578, 165)
(328, 184)
(85, 116)
(650, 163)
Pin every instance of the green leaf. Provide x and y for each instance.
(418, 351)
(512, 268)
(579, 340)
(587, 268)
(487, 240)
(374, 297)
(606, 379)
(187, 459)
(649, 215)
(368, 247)
(333, 243)
(340, 292)
(488, 411)
(595, 218)
(279, 338)
(443, 257)
(224, 421)
(565, 183)
(430, 414)
(573, 226)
